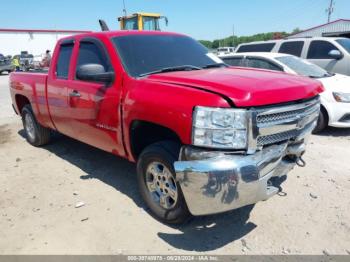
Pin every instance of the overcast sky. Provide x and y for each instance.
(202, 19)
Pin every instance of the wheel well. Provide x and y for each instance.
(143, 134)
(324, 111)
(21, 101)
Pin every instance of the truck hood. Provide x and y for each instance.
(245, 87)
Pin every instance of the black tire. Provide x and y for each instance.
(40, 135)
(322, 122)
(165, 153)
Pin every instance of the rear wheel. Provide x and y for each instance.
(322, 122)
(157, 183)
(36, 134)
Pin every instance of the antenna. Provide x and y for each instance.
(124, 8)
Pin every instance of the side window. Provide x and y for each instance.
(262, 63)
(91, 53)
(292, 48)
(233, 61)
(63, 61)
(265, 47)
(319, 49)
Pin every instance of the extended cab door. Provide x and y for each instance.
(95, 107)
(57, 87)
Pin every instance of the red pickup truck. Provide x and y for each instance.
(207, 138)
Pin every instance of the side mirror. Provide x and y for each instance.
(94, 73)
(336, 54)
(165, 19)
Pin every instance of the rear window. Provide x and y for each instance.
(292, 48)
(233, 61)
(63, 61)
(265, 47)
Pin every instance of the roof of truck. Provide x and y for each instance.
(125, 33)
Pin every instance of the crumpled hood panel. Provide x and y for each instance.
(245, 87)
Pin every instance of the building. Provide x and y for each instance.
(36, 42)
(339, 27)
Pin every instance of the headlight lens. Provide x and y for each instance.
(342, 97)
(220, 128)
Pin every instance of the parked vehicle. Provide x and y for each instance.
(330, 53)
(5, 64)
(141, 21)
(335, 101)
(225, 50)
(206, 138)
(26, 61)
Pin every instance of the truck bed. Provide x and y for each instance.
(31, 86)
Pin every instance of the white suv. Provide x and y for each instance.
(330, 53)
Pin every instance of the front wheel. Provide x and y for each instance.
(157, 183)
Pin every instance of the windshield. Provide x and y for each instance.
(142, 54)
(302, 67)
(345, 43)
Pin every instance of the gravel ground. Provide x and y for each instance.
(40, 188)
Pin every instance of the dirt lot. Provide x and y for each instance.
(40, 188)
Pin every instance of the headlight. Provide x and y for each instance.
(342, 97)
(220, 128)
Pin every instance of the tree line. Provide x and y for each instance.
(236, 40)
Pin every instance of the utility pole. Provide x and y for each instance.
(330, 10)
(124, 8)
(233, 35)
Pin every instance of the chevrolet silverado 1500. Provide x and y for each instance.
(207, 138)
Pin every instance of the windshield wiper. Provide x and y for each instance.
(215, 65)
(311, 76)
(172, 69)
(322, 76)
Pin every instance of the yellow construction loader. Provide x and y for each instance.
(141, 21)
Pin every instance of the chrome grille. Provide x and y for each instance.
(284, 123)
(279, 137)
(286, 115)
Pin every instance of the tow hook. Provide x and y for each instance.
(295, 152)
(300, 161)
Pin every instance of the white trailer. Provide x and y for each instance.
(36, 42)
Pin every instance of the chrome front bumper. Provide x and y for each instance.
(228, 182)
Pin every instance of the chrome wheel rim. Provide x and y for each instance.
(161, 185)
(29, 126)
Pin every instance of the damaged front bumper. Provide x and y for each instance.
(214, 182)
(218, 182)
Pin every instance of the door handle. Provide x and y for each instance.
(75, 93)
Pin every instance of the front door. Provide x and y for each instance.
(94, 107)
(318, 54)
